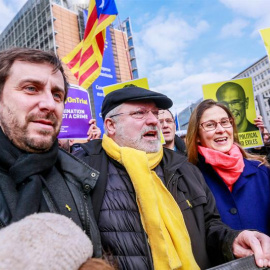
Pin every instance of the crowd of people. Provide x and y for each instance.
(123, 201)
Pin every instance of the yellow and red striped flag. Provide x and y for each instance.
(86, 59)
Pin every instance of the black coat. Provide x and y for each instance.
(70, 181)
(180, 145)
(211, 239)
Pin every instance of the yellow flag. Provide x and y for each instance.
(265, 34)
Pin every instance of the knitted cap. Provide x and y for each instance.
(117, 97)
(44, 241)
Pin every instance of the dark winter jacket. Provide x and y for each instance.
(118, 218)
(251, 188)
(70, 181)
(180, 145)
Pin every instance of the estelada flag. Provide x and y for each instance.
(265, 34)
(86, 59)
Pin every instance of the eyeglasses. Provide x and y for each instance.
(167, 120)
(140, 113)
(212, 125)
(235, 104)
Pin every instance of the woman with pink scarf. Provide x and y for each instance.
(240, 182)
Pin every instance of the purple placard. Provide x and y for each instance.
(76, 115)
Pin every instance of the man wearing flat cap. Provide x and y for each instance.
(153, 208)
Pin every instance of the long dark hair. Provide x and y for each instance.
(193, 132)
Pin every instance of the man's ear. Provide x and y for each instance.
(110, 126)
(246, 102)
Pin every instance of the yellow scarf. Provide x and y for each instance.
(161, 217)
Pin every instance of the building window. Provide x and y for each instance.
(130, 42)
(132, 53)
(135, 74)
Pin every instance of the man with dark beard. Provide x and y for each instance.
(153, 208)
(35, 176)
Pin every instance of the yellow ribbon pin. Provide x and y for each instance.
(68, 208)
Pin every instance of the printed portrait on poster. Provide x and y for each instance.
(237, 95)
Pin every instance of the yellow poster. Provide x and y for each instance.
(237, 95)
(265, 34)
(143, 83)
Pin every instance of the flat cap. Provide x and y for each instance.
(133, 93)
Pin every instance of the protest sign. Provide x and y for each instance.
(238, 97)
(265, 34)
(138, 82)
(76, 115)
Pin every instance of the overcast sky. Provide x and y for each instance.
(182, 44)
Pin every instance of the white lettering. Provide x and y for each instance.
(99, 87)
(73, 111)
(106, 69)
(106, 75)
(80, 116)
(100, 94)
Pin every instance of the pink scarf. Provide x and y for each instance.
(228, 166)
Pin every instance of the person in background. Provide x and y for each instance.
(153, 208)
(239, 181)
(233, 96)
(36, 175)
(183, 136)
(263, 151)
(94, 131)
(168, 127)
(66, 144)
(266, 148)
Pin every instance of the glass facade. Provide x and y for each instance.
(184, 115)
(31, 27)
(58, 26)
(130, 42)
(126, 26)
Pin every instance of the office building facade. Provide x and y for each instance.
(58, 25)
(260, 74)
(125, 26)
(184, 115)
